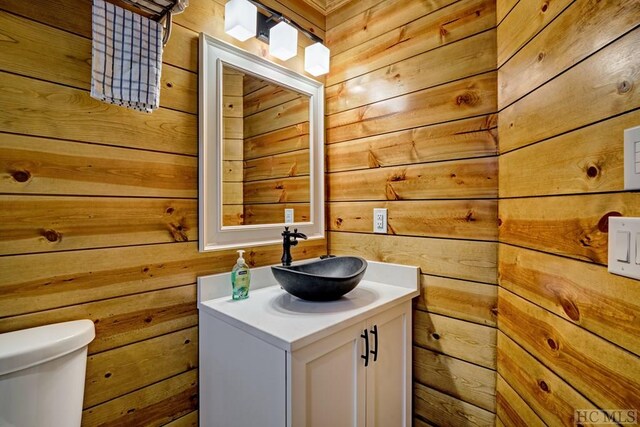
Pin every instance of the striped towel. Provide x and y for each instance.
(126, 58)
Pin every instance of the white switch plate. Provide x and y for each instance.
(625, 249)
(288, 216)
(631, 162)
(379, 220)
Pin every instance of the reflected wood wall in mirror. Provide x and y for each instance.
(266, 152)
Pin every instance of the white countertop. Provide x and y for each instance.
(273, 315)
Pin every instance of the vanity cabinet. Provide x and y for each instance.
(274, 360)
(335, 382)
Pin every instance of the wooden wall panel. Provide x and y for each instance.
(160, 402)
(475, 178)
(49, 223)
(233, 134)
(411, 127)
(545, 394)
(122, 320)
(582, 293)
(511, 409)
(288, 114)
(572, 99)
(118, 372)
(416, 36)
(40, 108)
(463, 380)
(99, 206)
(467, 260)
(458, 338)
(473, 55)
(469, 97)
(282, 140)
(475, 137)
(577, 228)
(276, 172)
(567, 89)
(470, 301)
(609, 375)
(562, 43)
(442, 410)
(591, 162)
(30, 165)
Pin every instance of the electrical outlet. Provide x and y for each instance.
(379, 220)
(288, 216)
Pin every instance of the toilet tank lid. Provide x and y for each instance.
(28, 347)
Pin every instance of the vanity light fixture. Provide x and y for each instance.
(242, 21)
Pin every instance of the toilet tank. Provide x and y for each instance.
(42, 372)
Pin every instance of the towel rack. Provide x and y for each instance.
(158, 10)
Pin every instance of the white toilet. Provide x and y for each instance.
(42, 372)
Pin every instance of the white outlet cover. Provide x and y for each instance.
(380, 220)
(627, 229)
(288, 216)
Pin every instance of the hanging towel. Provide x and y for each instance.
(126, 58)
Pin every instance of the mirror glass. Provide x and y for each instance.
(265, 153)
(261, 149)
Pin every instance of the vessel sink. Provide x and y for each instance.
(321, 280)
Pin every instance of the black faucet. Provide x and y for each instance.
(288, 240)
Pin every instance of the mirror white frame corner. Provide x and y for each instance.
(212, 234)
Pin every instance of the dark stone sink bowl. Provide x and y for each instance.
(322, 280)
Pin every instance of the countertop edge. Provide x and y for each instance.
(313, 336)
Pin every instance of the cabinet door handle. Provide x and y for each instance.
(365, 356)
(374, 332)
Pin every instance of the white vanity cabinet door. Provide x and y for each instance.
(389, 375)
(328, 381)
(330, 385)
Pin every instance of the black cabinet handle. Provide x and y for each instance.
(374, 332)
(365, 356)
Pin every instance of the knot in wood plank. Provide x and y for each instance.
(624, 86)
(603, 224)
(52, 235)
(468, 98)
(21, 176)
(570, 309)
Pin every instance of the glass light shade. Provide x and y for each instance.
(316, 59)
(283, 41)
(240, 19)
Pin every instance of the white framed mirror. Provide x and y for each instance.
(261, 149)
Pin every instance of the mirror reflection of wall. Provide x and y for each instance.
(265, 151)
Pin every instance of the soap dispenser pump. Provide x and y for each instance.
(240, 278)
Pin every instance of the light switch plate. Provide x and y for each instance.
(624, 233)
(632, 158)
(380, 220)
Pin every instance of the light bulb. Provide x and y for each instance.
(283, 41)
(316, 59)
(240, 19)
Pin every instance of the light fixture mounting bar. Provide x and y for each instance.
(275, 17)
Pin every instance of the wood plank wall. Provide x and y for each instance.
(411, 126)
(233, 149)
(569, 332)
(276, 170)
(98, 207)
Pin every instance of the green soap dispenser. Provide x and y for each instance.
(240, 278)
